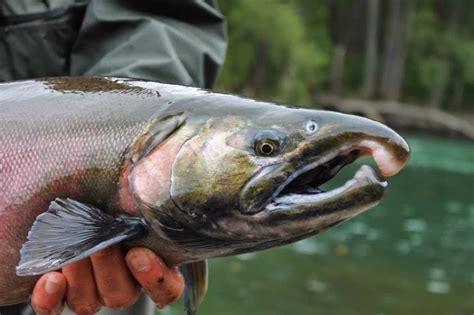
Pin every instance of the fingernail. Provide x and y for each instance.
(52, 285)
(140, 262)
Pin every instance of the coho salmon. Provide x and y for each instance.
(87, 162)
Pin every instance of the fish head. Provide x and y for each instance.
(250, 178)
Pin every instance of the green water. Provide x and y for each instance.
(413, 254)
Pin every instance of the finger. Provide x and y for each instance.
(163, 284)
(48, 294)
(115, 285)
(81, 296)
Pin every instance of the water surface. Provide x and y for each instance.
(413, 254)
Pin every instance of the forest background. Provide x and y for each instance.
(297, 51)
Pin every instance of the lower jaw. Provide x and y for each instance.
(295, 230)
(281, 223)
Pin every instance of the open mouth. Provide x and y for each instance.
(302, 189)
(310, 181)
(365, 180)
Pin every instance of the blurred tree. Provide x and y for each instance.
(337, 69)
(371, 49)
(394, 53)
(270, 53)
(292, 51)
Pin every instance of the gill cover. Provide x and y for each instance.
(208, 173)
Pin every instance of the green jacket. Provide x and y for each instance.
(173, 41)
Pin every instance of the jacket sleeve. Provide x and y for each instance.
(182, 42)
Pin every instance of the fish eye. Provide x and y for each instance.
(311, 127)
(266, 147)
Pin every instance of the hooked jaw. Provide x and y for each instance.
(297, 206)
(388, 163)
(300, 215)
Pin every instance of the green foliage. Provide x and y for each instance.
(464, 58)
(271, 54)
(282, 49)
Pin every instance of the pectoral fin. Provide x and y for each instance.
(195, 277)
(70, 231)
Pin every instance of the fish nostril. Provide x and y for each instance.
(311, 127)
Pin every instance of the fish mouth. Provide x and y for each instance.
(303, 187)
(365, 181)
(283, 186)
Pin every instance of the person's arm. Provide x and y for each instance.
(181, 42)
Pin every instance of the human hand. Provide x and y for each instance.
(110, 279)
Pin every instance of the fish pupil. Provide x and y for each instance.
(267, 148)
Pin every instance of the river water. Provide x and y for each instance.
(412, 254)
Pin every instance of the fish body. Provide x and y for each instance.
(188, 173)
(55, 144)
